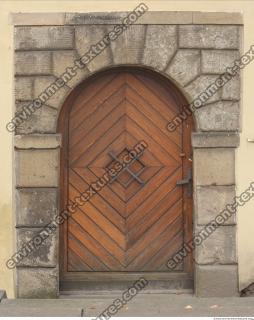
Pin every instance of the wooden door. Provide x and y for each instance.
(139, 218)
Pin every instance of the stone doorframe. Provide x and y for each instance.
(191, 49)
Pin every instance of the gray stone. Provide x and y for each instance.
(46, 89)
(35, 207)
(218, 247)
(65, 59)
(160, 46)
(214, 166)
(23, 88)
(199, 86)
(43, 120)
(87, 36)
(216, 281)
(32, 62)
(185, 66)
(217, 18)
(217, 61)
(37, 168)
(36, 18)
(2, 295)
(208, 36)
(231, 90)
(219, 116)
(37, 283)
(45, 246)
(37, 141)
(43, 37)
(215, 139)
(129, 46)
(211, 201)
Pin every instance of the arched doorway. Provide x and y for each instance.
(122, 174)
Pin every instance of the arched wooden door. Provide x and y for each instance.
(136, 219)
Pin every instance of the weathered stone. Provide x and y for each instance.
(217, 18)
(43, 120)
(211, 201)
(199, 86)
(37, 141)
(129, 46)
(43, 37)
(217, 61)
(219, 116)
(37, 168)
(208, 36)
(218, 247)
(35, 207)
(231, 90)
(216, 281)
(33, 62)
(214, 166)
(45, 246)
(185, 66)
(37, 283)
(36, 18)
(47, 90)
(160, 46)
(150, 17)
(215, 139)
(88, 36)
(65, 59)
(23, 88)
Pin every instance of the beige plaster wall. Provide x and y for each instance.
(245, 154)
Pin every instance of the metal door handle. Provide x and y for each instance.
(186, 181)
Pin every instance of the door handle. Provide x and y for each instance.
(186, 181)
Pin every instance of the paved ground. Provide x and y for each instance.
(141, 305)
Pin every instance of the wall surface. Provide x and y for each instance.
(245, 153)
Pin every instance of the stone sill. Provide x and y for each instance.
(150, 17)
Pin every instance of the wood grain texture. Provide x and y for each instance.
(127, 226)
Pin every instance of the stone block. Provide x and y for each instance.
(218, 247)
(217, 18)
(42, 19)
(211, 201)
(43, 120)
(160, 46)
(43, 37)
(37, 141)
(32, 62)
(37, 168)
(35, 207)
(47, 90)
(217, 61)
(37, 283)
(185, 66)
(93, 35)
(214, 166)
(215, 139)
(199, 87)
(231, 90)
(128, 48)
(65, 59)
(216, 281)
(208, 36)
(41, 250)
(23, 88)
(219, 116)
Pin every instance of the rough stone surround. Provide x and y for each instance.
(192, 50)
